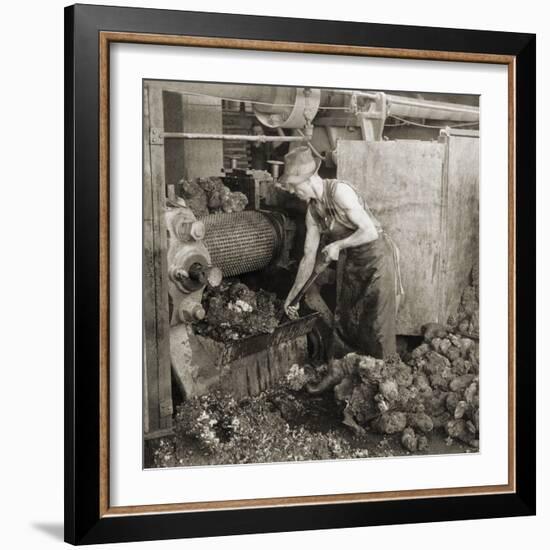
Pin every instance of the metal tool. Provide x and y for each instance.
(322, 263)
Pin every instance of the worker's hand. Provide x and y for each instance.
(291, 311)
(331, 251)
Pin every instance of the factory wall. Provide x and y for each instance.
(192, 158)
(426, 197)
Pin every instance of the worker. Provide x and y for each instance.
(261, 152)
(340, 225)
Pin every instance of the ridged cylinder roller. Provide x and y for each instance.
(240, 242)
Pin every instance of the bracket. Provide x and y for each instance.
(156, 136)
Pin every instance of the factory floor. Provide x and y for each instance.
(286, 426)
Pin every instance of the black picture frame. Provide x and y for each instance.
(84, 521)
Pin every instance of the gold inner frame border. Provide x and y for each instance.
(105, 39)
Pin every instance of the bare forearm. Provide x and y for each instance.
(305, 269)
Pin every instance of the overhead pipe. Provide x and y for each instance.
(274, 105)
(413, 107)
(233, 137)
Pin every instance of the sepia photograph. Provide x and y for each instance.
(310, 274)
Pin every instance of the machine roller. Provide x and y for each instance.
(240, 242)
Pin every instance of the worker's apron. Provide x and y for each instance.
(368, 283)
(364, 318)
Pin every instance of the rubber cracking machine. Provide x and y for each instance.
(203, 252)
(184, 254)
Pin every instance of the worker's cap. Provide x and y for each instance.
(299, 166)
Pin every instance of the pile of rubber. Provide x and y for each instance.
(437, 388)
(234, 311)
(466, 320)
(446, 367)
(209, 196)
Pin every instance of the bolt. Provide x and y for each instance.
(180, 274)
(198, 230)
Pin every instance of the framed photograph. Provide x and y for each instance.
(299, 274)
